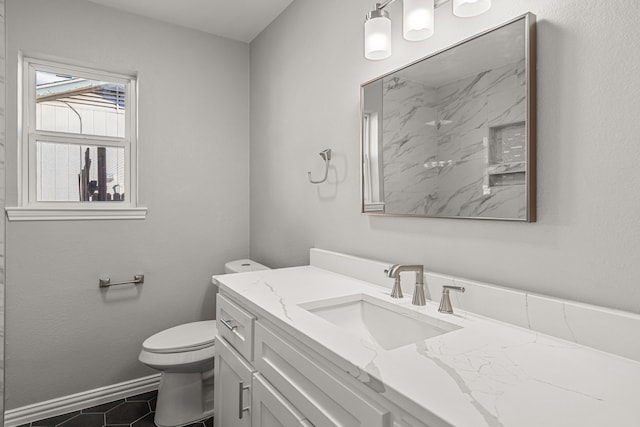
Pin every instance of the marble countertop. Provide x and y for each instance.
(486, 373)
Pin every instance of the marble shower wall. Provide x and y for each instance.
(471, 111)
(2, 201)
(437, 145)
(408, 143)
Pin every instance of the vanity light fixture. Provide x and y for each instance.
(417, 22)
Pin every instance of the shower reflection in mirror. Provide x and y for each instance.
(452, 135)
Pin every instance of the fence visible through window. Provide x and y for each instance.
(80, 173)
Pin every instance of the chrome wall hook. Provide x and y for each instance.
(326, 156)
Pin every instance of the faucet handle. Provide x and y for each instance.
(445, 302)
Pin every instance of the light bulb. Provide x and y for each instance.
(417, 19)
(468, 8)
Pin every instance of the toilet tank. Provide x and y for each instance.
(243, 265)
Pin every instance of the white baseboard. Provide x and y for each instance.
(83, 400)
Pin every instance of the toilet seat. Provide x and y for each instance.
(183, 338)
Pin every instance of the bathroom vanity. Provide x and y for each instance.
(325, 345)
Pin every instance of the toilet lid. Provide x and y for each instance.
(187, 337)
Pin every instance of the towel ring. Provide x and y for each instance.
(326, 156)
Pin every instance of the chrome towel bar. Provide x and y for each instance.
(137, 279)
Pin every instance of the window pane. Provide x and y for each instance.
(72, 173)
(77, 105)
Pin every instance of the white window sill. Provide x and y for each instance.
(73, 214)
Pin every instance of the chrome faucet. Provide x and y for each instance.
(418, 294)
(445, 302)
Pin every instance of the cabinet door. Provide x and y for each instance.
(270, 409)
(232, 387)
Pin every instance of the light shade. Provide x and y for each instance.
(468, 8)
(377, 35)
(417, 19)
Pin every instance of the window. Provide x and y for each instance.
(78, 151)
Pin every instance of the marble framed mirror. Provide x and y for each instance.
(453, 135)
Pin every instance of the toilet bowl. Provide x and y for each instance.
(184, 355)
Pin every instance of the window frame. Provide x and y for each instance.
(28, 136)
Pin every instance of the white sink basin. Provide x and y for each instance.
(383, 324)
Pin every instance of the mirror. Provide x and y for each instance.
(453, 134)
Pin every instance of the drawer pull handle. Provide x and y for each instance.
(228, 324)
(241, 389)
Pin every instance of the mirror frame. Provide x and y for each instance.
(530, 124)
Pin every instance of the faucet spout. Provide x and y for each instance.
(394, 272)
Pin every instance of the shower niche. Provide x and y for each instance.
(507, 155)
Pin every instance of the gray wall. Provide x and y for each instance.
(305, 82)
(63, 335)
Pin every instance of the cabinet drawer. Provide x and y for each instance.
(235, 325)
(323, 399)
(269, 408)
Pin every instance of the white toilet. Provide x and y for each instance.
(184, 354)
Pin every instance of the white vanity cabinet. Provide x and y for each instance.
(266, 378)
(233, 373)
(243, 398)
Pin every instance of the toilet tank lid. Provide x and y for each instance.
(243, 265)
(187, 337)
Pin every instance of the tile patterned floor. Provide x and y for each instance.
(135, 411)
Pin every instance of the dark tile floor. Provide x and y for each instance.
(135, 411)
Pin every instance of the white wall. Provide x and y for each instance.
(64, 335)
(306, 73)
